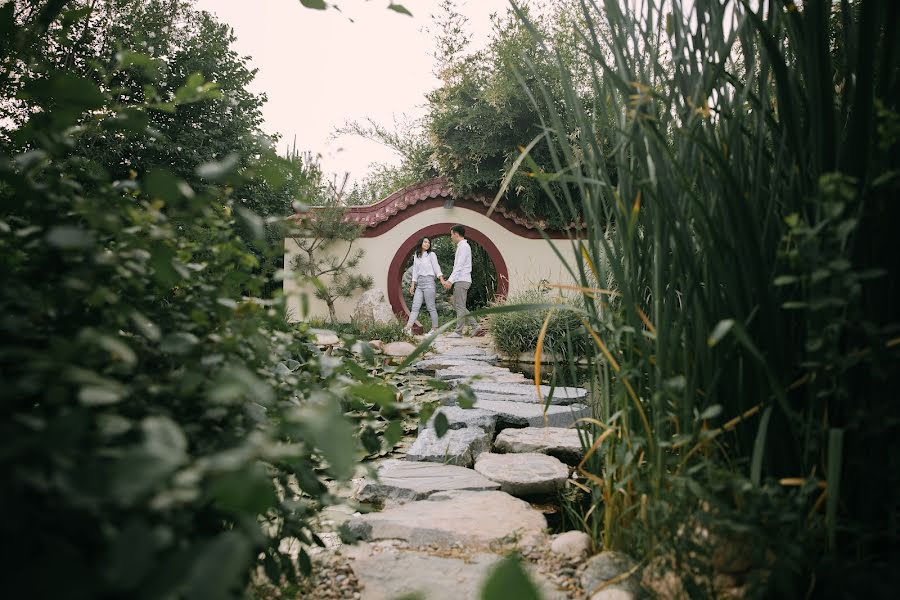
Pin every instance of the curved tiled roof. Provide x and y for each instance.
(375, 214)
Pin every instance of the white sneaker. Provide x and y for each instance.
(454, 335)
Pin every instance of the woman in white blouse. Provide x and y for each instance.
(425, 269)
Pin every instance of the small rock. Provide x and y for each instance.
(376, 345)
(608, 565)
(563, 443)
(457, 447)
(325, 337)
(373, 308)
(613, 593)
(398, 349)
(571, 544)
(523, 474)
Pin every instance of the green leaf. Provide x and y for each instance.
(437, 384)
(759, 447)
(145, 326)
(242, 492)
(92, 395)
(381, 394)
(219, 568)
(786, 280)
(794, 305)
(332, 434)
(314, 4)
(178, 343)
(400, 9)
(509, 580)
(370, 440)
(118, 349)
(133, 120)
(65, 89)
(834, 468)
(216, 170)
(720, 331)
(393, 433)
(163, 184)
(711, 412)
(441, 425)
(68, 237)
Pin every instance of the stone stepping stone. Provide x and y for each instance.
(526, 474)
(398, 349)
(458, 418)
(387, 572)
(531, 398)
(325, 337)
(476, 519)
(560, 442)
(457, 447)
(523, 414)
(404, 481)
(561, 395)
(438, 362)
(484, 371)
(469, 353)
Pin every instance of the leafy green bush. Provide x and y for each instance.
(514, 333)
(161, 428)
(749, 358)
(392, 332)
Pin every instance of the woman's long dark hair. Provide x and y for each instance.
(418, 249)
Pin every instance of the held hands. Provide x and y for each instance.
(412, 289)
(447, 285)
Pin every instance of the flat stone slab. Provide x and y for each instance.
(561, 395)
(531, 398)
(523, 414)
(526, 474)
(457, 447)
(404, 481)
(469, 352)
(386, 572)
(398, 349)
(475, 519)
(438, 362)
(325, 337)
(560, 442)
(458, 418)
(474, 368)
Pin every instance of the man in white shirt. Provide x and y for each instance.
(461, 280)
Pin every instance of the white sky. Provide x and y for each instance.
(319, 69)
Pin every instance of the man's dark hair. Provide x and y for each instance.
(460, 229)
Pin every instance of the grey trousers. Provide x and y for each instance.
(424, 291)
(460, 291)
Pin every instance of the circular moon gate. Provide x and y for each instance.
(395, 271)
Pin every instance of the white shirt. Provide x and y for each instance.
(462, 263)
(426, 265)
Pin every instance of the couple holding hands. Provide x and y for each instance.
(426, 268)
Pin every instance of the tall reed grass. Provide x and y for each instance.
(747, 363)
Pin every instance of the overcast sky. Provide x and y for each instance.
(319, 69)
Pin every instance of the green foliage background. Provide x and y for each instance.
(162, 427)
